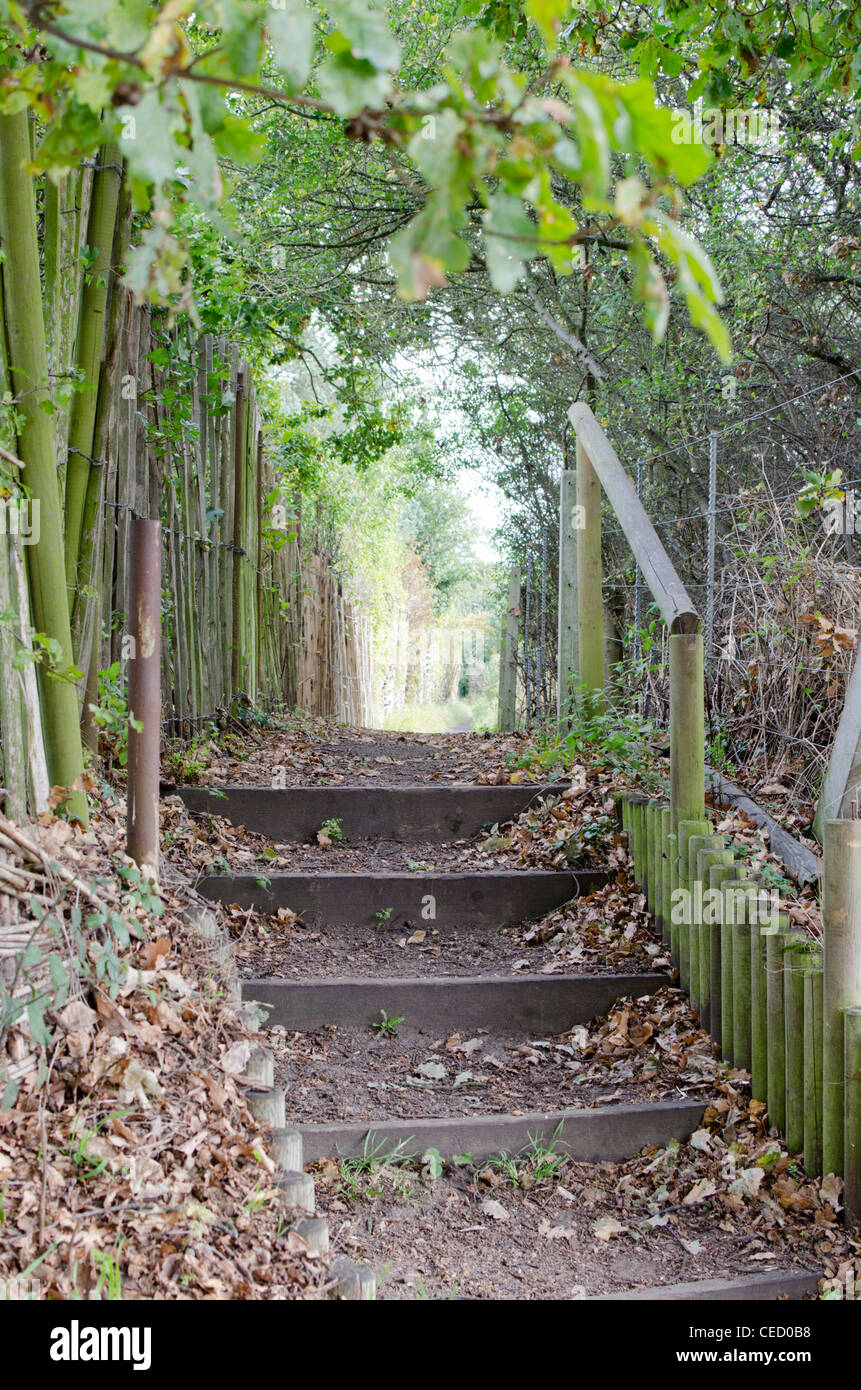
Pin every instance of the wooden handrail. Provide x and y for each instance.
(657, 568)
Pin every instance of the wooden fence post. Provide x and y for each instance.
(852, 1130)
(567, 678)
(841, 924)
(508, 654)
(590, 607)
(687, 727)
(236, 569)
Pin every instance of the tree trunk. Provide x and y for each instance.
(25, 337)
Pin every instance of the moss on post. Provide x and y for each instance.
(813, 1071)
(799, 955)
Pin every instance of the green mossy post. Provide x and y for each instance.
(841, 926)
(719, 874)
(25, 336)
(648, 842)
(759, 1009)
(708, 859)
(852, 1114)
(673, 908)
(775, 1028)
(696, 843)
(737, 907)
(799, 955)
(638, 817)
(813, 1071)
(685, 830)
(666, 874)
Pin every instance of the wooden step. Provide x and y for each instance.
(424, 814)
(764, 1287)
(391, 901)
(610, 1133)
(509, 1003)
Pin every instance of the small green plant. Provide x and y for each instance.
(383, 916)
(107, 1264)
(330, 832)
(532, 1165)
(87, 1164)
(186, 763)
(432, 1164)
(111, 715)
(363, 1176)
(387, 1027)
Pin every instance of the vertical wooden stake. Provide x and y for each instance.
(707, 859)
(813, 1071)
(236, 570)
(758, 1008)
(737, 942)
(508, 654)
(590, 606)
(798, 956)
(775, 1028)
(852, 1124)
(841, 923)
(144, 694)
(719, 874)
(567, 678)
(690, 975)
(666, 873)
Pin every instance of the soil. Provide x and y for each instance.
(437, 1240)
(270, 947)
(337, 1074)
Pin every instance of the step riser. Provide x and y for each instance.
(762, 1288)
(457, 900)
(525, 1003)
(429, 814)
(588, 1136)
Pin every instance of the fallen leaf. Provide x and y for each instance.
(495, 1209)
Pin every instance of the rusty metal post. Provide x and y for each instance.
(144, 691)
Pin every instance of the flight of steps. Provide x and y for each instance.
(539, 1004)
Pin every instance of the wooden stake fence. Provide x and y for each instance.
(182, 440)
(781, 1005)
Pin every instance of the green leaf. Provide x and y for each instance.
(350, 84)
(290, 26)
(547, 14)
(427, 248)
(36, 1019)
(510, 238)
(367, 32)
